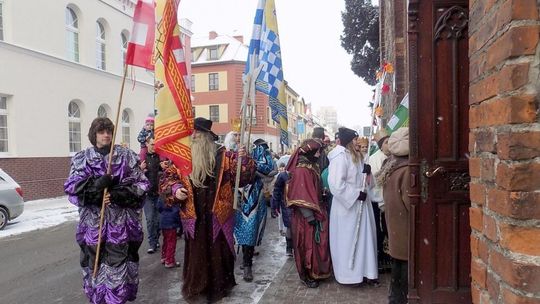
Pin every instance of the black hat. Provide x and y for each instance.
(346, 135)
(205, 125)
(259, 141)
(318, 132)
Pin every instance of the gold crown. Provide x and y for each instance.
(236, 123)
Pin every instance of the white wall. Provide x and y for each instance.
(40, 82)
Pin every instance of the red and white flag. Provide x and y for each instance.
(141, 44)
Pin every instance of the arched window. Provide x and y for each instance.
(74, 118)
(72, 35)
(124, 39)
(100, 46)
(125, 128)
(102, 111)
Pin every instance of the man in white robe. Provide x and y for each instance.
(345, 179)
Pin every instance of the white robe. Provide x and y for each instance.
(345, 180)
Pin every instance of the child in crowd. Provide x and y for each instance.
(172, 194)
(146, 131)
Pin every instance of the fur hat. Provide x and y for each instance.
(318, 132)
(346, 135)
(398, 143)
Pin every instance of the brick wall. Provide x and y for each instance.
(505, 150)
(393, 44)
(42, 177)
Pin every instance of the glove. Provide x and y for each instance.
(367, 169)
(103, 182)
(362, 196)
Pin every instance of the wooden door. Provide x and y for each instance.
(439, 264)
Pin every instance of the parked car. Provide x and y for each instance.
(11, 199)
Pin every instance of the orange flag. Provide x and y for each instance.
(174, 120)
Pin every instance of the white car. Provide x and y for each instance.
(11, 199)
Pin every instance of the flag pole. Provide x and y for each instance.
(109, 169)
(243, 108)
(364, 182)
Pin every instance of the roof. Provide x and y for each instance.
(234, 49)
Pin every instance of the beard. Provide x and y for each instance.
(203, 153)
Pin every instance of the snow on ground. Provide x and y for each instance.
(41, 214)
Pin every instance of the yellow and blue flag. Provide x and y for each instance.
(265, 56)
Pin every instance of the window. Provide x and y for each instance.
(102, 111)
(213, 53)
(254, 117)
(74, 118)
(100, 46)
(213, 81)
(192, 83)
(125, 128)
(72, 35)
(268, 115)
(124, 38)
(1, 22)
(3, 123)
(214, 113)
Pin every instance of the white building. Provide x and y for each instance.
(61, 65)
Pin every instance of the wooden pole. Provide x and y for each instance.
(102, 213)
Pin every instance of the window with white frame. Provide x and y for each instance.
(72, 35)
(125, 128)
(213, 53)
(3, 124)
(214, 113)
(213, 81)
(1, 21)
(124, 38)
(100, 46)
(74, 118)
(102, 111)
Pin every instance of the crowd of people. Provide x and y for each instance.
(342, 207)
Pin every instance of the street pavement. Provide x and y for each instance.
(41, 266)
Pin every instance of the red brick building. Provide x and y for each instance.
(471, 69)
(217, 67)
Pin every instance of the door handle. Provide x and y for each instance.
(433, 172)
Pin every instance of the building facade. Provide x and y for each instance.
(471, 69)
(218, 64)
(62, 66)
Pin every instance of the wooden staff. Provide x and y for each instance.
(109, 169)
(364, 183)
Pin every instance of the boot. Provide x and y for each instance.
(248, 275)
(289, 249)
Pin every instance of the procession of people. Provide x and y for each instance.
(332, 205)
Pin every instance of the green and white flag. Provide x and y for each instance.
(400, 118)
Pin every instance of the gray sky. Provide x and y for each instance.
(314, 63)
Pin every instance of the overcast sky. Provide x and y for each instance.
(314, 63)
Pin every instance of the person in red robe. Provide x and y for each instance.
(309, 215)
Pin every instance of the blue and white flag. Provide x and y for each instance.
(265, 57)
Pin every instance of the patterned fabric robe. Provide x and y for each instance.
(251, 216)
(117, 277)
(208, 220)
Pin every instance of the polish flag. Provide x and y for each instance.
(141, 44)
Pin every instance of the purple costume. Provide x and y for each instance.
(117, 278)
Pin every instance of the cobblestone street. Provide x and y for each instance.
(287, 288)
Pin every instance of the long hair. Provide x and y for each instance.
(356, 155)
(99, 124)
(230, 141)
(203, 153)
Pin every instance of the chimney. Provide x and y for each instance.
(212, 35)
(239, 38)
